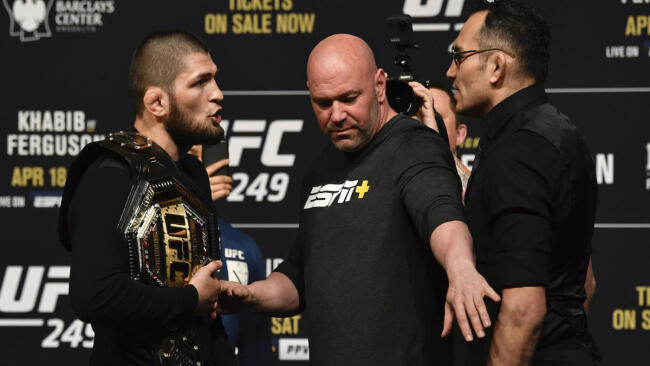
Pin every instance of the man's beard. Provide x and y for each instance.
(183, 130)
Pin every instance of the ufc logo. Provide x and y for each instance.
(433, 8)
(256, 135)
(24, 301)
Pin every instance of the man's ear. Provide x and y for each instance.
(380, 85)
(156, 101)
(461, 134)
(497, 65)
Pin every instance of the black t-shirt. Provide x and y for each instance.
(531, 202)
(126, 314)
(362, 261)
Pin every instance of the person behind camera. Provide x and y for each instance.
(438, 100)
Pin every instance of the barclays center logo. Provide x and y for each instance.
(28, 19)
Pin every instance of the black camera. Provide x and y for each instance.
(400, 95)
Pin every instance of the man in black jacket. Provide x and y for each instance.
(114, 284)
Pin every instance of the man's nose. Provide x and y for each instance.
(339, 113)
(451, 71)
(215, 94)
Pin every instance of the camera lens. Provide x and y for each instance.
(402, 98)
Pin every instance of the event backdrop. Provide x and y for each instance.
(64, 84)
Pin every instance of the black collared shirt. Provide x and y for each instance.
(531, 200)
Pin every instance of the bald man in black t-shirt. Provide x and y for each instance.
(376, 242)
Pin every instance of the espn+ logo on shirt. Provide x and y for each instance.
(328, 194)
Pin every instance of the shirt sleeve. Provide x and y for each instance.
(100, 287)
(429, 186)
(518, 195)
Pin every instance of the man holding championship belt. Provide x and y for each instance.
(138, 217)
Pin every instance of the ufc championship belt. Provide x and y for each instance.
(168, 231)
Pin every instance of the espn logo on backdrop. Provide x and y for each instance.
(46, 200)
(293, 349)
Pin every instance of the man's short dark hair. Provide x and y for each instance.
(520, 29)
(158, 60)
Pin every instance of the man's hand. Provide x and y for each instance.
(220, 185)
(275, 296)
(207, 287)
(426, 113)
(465, 299)
(452, 246)
(234, 297)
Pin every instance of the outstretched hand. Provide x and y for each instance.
(234, 297)
(467, 288)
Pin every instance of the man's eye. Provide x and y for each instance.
(348, 100)
(324, 103)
